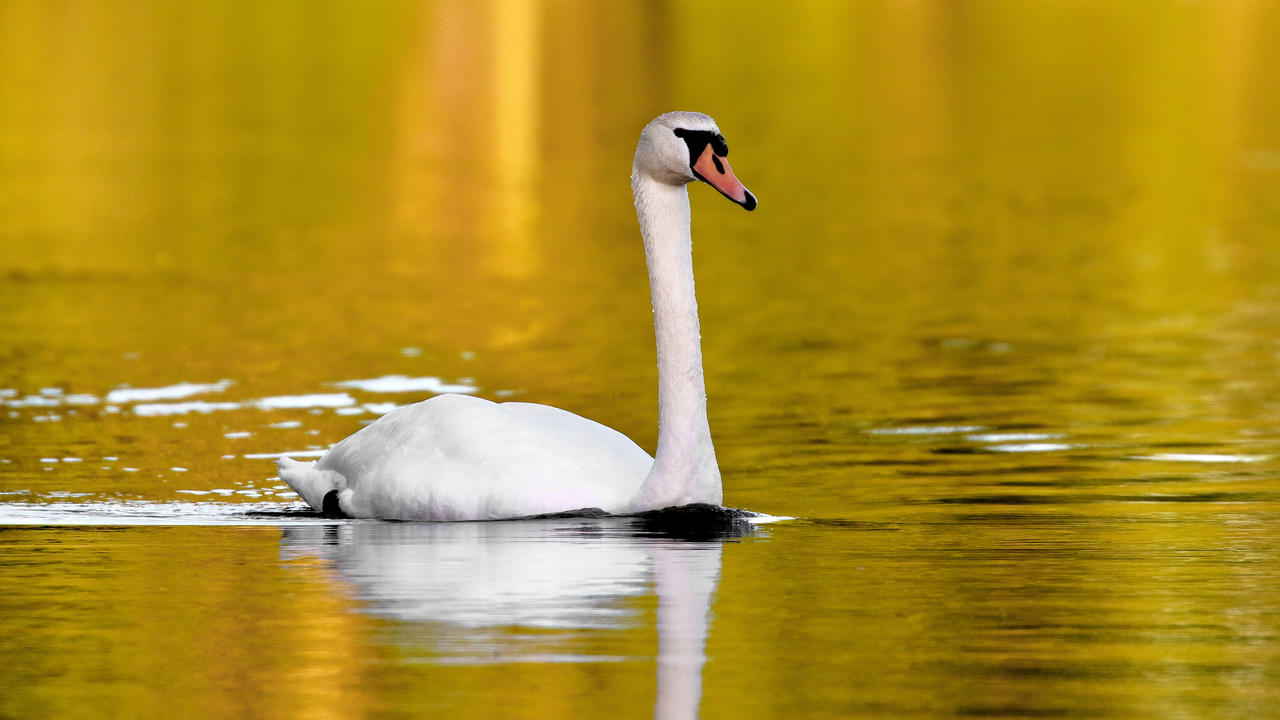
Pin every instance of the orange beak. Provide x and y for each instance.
(714, 170)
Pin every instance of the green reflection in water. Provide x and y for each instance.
(1009, 306)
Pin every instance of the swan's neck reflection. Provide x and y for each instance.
(686, 577)
(478, 581)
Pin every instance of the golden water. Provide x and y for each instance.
(1004, 333)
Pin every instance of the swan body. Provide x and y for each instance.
(458, 457)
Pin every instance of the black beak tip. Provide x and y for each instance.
(750, 202)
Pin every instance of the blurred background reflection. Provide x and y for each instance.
(1005, 331)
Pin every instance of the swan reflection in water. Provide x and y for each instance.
(569, 573)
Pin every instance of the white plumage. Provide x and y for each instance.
(457, 457)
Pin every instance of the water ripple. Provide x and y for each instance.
(171, 392)
(403, 384)
(1203, 458)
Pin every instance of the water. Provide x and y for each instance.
(1003, 336)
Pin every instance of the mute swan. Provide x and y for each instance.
(458, 457)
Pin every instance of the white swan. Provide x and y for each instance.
(457, 457)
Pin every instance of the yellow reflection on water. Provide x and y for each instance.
(130, 619)
(1007, 311)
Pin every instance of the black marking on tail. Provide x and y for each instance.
(330, 507)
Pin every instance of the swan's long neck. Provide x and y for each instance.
(684, 468)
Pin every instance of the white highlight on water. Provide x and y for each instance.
(402, 383)
(182, 408)
(290, 453)
(926, 430)
(171, 392)
(1203, 458)
(318, 400)
(1030, 447)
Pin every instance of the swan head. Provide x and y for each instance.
(681, 147)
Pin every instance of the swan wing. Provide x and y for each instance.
(458, 457)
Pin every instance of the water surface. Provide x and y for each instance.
(1003, 336)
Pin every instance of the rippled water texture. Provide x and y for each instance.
(1003, 336)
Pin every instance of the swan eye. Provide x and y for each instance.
(708, 163)
(698, 140)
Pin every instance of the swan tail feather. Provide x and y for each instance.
(310, 482)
